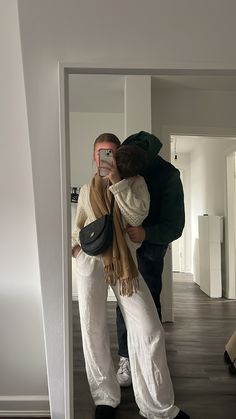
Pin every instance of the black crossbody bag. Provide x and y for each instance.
(97, 236)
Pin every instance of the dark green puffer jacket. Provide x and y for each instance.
(166, 218)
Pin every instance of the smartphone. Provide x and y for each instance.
(105, 156)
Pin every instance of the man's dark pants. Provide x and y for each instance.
(150, 264)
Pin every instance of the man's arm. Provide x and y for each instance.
(172, 214)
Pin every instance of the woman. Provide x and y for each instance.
(117, 267)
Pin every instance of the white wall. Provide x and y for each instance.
(99, 34)
(137, 100)
(84, 129)
(23, 382)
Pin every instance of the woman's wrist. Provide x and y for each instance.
(76, 250)
(115, 179)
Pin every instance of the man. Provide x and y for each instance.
(164, 224)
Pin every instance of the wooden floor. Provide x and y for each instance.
(195, 346)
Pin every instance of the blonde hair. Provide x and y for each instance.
(107, 137)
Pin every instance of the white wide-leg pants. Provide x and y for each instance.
(146, 344)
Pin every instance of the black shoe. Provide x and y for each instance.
(227, 358)
(105, 412)
(232, 369)
(182, 415)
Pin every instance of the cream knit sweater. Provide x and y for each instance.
(133, 199)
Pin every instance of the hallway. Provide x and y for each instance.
(195, 346)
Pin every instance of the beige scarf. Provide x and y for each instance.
(117, 260)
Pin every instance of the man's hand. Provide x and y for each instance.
(136, 234)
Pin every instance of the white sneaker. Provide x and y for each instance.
(124, 374)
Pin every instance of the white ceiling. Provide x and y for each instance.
(105, 93)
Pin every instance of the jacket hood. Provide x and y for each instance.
(147, 141)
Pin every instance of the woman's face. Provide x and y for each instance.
(106, 146)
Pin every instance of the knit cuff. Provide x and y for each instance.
(120, 186)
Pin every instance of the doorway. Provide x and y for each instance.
(208, 164)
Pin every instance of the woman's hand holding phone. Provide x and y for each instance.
(107, 166)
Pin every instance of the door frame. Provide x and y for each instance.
(230, 224)
(201, 131)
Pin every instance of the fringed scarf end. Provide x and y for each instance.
(129, 286)
(112, 272)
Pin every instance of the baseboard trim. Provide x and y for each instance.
(25, 413)
(167, 315)
(24, 406)
(74, 296)
(28, 398)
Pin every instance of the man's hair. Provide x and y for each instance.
(131, 160)
(107, 137)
